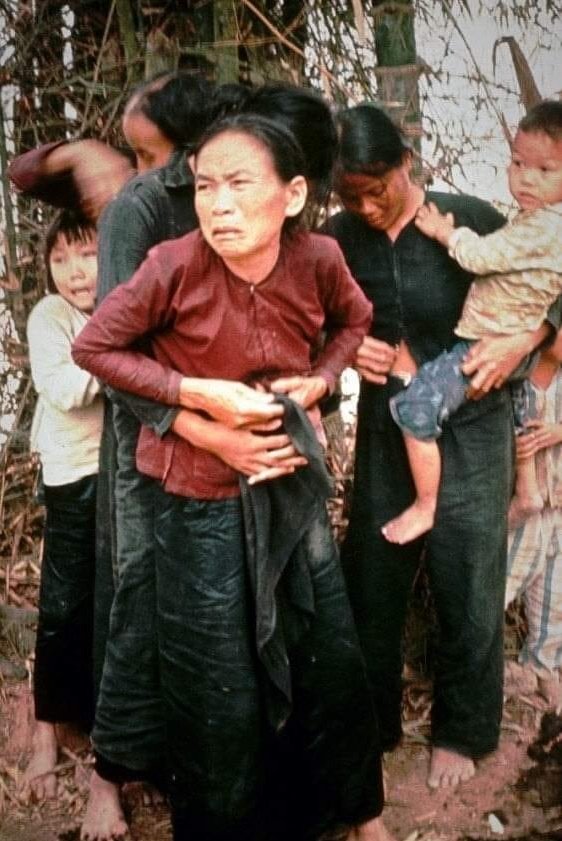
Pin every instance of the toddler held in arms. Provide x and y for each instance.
(519, 276)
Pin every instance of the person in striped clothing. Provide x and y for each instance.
(535, 546)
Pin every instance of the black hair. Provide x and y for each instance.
(74, 227)
(308, 116)
(286, 153)
(228, 98)
(369, 141)
(176, 103)
(545, 117)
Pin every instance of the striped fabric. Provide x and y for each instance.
(535, 550)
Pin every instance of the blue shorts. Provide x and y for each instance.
(439, 389)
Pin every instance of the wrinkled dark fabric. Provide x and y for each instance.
(208, 675)
(129, 731)
(232, 775)
(324, 754)
(63, 686)
(129, 727)
(106, 542)
(277, 515)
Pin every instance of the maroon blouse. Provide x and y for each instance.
(203, 321)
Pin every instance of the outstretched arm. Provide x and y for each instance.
(83, 174)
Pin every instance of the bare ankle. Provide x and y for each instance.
(39, 780)
(413, 522)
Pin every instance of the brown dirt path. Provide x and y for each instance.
(413, 812)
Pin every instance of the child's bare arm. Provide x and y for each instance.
(435, 224)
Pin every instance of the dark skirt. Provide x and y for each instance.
(63, 675)
(232, 775)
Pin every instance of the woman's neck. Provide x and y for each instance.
(254, 268)
(414, 200)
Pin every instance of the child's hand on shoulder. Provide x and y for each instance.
(435, 224)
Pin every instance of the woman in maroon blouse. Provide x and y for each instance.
(245, 298)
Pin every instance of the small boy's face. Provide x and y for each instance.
(535, 171)
(74, 269)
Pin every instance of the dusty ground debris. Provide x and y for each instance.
(505, 784)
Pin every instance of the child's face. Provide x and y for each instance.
(74, 268)
(535, 171)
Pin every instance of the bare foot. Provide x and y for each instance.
(373, 830)
(521, 508)
(104, 819)
(448, 768)
(411, 523)
(39, 780)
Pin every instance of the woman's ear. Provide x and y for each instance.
(297, 192)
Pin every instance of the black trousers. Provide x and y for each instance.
(63, 676)
(465, 556)
(232, 777)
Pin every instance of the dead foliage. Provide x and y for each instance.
(21, 517)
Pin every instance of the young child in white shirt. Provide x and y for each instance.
(65, 433)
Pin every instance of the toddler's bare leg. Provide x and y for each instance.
(527, 499)
(425, 464)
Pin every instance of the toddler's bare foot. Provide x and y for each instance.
(411, 523)
(39, 780)
(521, 508)
(104, 819)
(373, 830)
(448, 768)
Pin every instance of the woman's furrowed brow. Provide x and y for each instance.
(226, 176)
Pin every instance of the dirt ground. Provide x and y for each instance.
(495, 804)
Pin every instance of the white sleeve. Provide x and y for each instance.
(50, 333)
